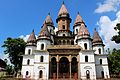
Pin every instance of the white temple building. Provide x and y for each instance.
(65, 54)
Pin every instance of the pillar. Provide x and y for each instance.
(57, 67)
(78, 67)
(70, 70)
(70, 65)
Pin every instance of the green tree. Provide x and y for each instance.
(114, 61)
(14, 47)
(116, 38)
(9, 69)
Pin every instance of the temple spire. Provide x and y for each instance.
(48, 20)
(96, 38)
(78, 19)
(83, 31)
(63, 10)
(32, 39)
(44, 31)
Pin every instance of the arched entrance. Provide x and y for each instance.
(102, 74)
(53, 67)
(64, 68)
(87, 74)
(40, 74)
(74, 67)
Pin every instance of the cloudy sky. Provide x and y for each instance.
(19, 17)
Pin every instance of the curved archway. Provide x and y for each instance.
(74, 67)
(102, 74)
(29, 51)
(53, 65)
(87, 74)
(40, 74)
(27, 72)
(28, 62)
(41, 58)
(64, 65)
(85, 46)
(53, 68)
(42, 46)
(99, 50)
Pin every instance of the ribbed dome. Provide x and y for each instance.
(83, 31)
(63, 10)
(96, 37)
(44, 31)
(48, 19)
(78, 19)
(32, 37)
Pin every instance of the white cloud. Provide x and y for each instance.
(106, 29)
(25, 38)
(107, 6)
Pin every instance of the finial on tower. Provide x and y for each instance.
(49, 13)
(95, 29)
(63, 2)
(33, 30)
(78, 12)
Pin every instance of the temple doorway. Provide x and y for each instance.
(74, 67)
(53, 68)
(88, 74)
(64, 68)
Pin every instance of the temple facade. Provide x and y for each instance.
(65, 54)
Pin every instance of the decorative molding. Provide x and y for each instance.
(87, 67)
(27, 65)
(41, 62)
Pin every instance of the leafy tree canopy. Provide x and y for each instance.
(114, 61)
(14, 47)
(116, 38)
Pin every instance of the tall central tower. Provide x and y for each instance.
(63, 21)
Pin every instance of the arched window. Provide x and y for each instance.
(42, 46)
(76, 30)
(29, 51)
(102, 74)
(68, 42)
(63, 26)
(99, 50)
(28, 62)
(27, 72)
(63, 42)
(41, 59)
(88, 74)
(50, 30)
(86, 58)
(72, 42)
(85, 45)
(59, 42)
(63, 34)
(100, 61)
(40, 74)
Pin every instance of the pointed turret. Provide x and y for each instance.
(63, 21)
(48, 20)
(78, 20)
(97, 39)
(83, 38)
(44, 32)
(44, 38)
(32, 39)
(83, 32)
(63, 10)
